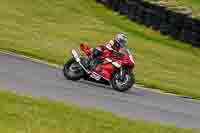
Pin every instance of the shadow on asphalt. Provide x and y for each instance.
(133, 91)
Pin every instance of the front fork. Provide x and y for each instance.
(77, 58)
(122, 74)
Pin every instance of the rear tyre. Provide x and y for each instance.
(122, 85)
(72, 70)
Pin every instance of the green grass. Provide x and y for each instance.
(49, 29)
(26, 115)
(193, 5)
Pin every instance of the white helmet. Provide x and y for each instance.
(121, 40)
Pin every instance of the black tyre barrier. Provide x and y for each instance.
(196, 25)
(176, 22)
(190, 37)
(165, 29)
(195, 39)
(175, 34)
(132, 9)
(99, 1)
(191, 31)
(163, 18)
(123, 7)
(146, 14)
(187, 23)
(109, 3)
(147, 18)
(156, 21)
(165, 26)
(159, 15)
(115, 5)
(178, 25)
(186, 35)
(140, 14)
(102, 1)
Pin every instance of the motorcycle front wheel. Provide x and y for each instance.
(72, 70)
(122, 85)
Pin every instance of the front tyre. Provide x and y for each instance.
(122, 85)
(72, 70)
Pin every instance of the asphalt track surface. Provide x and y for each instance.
(31, 78)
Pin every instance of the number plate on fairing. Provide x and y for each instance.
(95, 76)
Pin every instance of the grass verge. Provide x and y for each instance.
(49, 29)
(193, 5)
(25, 114)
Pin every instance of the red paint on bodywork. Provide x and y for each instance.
(105, 69)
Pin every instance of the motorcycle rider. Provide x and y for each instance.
(115, 45)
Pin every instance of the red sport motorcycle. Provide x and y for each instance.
(114, 68)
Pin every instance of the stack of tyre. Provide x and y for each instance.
(177, 23)
(191, 31)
